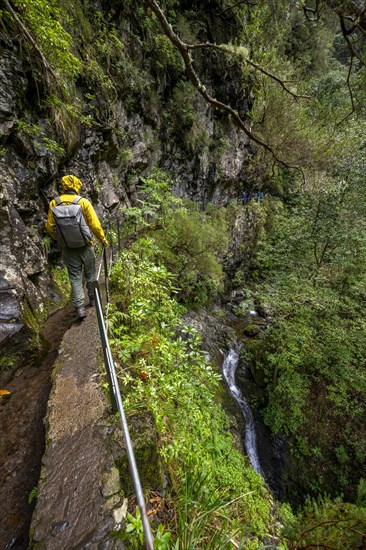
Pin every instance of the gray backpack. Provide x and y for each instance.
(72, 231)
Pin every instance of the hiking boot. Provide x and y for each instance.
(91, 302)
(80, 311)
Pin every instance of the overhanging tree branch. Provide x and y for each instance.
(184, 50)
(346, 35)
(225, 49)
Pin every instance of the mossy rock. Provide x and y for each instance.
(258, 374)
(251, 330)
(145, 444)
(254, 347)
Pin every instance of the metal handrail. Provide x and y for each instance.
(117, 406)
(106, 273)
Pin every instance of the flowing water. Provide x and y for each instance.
(228, 369)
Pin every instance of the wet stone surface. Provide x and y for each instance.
(9, 310)
(79, 487)
(22, 434)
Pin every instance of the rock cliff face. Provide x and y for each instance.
(23, 262)
(108, 156)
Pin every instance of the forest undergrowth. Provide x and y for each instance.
(163, 368)
(219, 501)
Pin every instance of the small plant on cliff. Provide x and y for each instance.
(33, 495)
(28, 128)
(44, 20)
(38, 136)
(53, 146)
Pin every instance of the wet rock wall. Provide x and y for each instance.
(109, 156)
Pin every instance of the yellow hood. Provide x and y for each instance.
(71, 183)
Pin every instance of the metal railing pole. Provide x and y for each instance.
(105, 346)
(109, 363)
(100, 268)
(106, 274)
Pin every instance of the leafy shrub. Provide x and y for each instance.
(312, 351)
(163, 368)
(188, 241)
(324, 523)
(45, 20)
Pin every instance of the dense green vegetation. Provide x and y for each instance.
(312, 285)
(190, 242)
(308, 274)
(303, 267)
(163, 369)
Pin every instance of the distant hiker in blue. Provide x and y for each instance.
(259, 196)
(244, 198)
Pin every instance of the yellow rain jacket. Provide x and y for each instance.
(72, 183)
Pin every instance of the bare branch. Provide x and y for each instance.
(350, 92)
(316, 11)
(223, 48)
(193, 77)
(346, 32)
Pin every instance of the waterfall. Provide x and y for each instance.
(228, 369)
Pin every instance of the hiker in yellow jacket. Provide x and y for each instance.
(79, 260)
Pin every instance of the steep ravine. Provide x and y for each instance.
(272, 450)
(219, 327)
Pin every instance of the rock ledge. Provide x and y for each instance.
(79, 496)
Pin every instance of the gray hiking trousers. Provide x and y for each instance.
(79, 262)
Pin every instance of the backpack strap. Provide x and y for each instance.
(59, 201)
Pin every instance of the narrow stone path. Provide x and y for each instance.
(79, 501)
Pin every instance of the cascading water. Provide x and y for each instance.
(228, 369)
